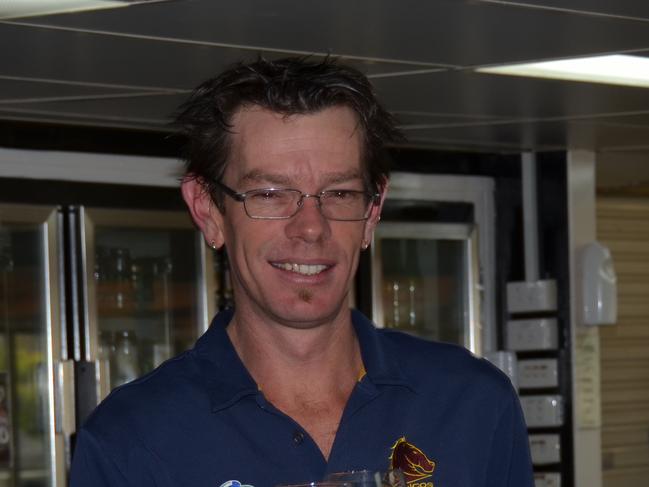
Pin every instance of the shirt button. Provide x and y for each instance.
(298, 437)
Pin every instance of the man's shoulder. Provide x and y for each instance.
(443, 365)
(174, 388)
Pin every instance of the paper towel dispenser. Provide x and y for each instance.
(599, 285)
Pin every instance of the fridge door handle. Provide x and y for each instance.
(102, 376)
(64, 404)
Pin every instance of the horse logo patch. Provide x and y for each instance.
(413, 462)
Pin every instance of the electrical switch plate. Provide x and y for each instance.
(542, 411)
(532, 334)
(538, 373)
(529, 297)
(547, 479)
(545, 449)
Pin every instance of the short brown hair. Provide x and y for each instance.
(288, 86)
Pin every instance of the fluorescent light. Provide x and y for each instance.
(613, 69)
(14, 9)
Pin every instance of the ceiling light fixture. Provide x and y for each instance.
(616, 69)
(30, 8)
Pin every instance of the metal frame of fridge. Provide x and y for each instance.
(479, 192)
(60, 379)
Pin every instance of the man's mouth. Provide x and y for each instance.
(304, 269)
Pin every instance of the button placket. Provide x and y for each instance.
(298, 437)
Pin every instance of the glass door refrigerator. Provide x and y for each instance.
(36, 415)
(431, 269)
(425, 281)
(142, 284)
(90, 298)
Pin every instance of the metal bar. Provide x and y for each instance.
(73, 256)
(530, 217)
(82, 273)
(58, 464)
(204, 292)
(60, 235)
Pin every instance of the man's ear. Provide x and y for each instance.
(375, 216)
(204, 212)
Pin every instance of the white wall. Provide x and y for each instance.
(587, 423)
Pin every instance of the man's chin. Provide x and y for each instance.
(307, 313)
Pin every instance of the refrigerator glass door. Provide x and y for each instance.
(32, 450)
(146, 281)
(425, 281)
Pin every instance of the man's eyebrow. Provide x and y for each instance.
(342, 177)
(257, 176)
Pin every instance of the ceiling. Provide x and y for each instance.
(130, 67)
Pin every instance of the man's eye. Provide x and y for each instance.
(346, 195)
(266, 195)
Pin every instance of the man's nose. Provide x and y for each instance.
(308, 223)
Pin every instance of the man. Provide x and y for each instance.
(286, 169)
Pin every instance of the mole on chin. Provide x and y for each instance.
(305, 295)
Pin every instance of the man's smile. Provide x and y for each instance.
(304, 269)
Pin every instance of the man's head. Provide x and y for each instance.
(260, 136)
(288, 86)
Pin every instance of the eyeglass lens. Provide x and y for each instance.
(284, 203)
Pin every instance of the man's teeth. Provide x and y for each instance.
(306, 269)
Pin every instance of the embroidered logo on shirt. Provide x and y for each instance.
(413, 462)
(234, 483)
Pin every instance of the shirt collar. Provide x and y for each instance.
(229, 381)
(227, 378)
(380, 361)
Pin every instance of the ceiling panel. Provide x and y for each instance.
(131, 67)
(505, 136)
(91, 58)
(450, 32)
(626, 8)
(540, 135)
(477, 94)
(372, 68)
(638, 119)
(149, 110)
(141, 63)
(15, 90)
(413, 119)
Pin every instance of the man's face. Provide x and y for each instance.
(297, 271)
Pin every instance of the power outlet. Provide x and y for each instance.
(547, 479)
(530, 297)
(532, 334)
(542, 411)
(545, 449)
(538, 373)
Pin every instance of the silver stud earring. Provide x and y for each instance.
(213, 244)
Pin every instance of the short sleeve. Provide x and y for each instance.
(91, 466)
(510, 464)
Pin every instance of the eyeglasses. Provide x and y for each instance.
(280, 204)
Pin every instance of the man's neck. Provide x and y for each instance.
(277, 355)
(307, 373)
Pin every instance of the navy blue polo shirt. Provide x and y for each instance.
(199, 420)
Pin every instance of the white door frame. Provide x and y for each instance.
(478, 191)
